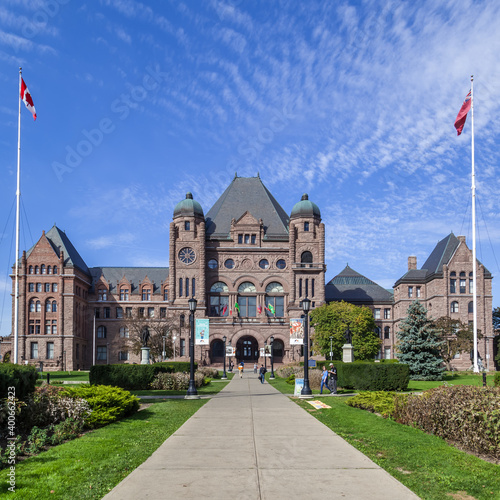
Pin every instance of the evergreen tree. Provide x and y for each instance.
(419, 345)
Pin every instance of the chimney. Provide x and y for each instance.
(412, 262)
(461, 239)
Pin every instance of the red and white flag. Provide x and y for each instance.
(462, 114)
(26, 97)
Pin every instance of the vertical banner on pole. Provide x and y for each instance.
(297, 331)
(202, 327)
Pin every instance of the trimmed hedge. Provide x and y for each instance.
(370, 376)
(21, 377)
(133, 377)
(373, 376)
(496, 380)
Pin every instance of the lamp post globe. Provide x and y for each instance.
(306, 390)
(192, 393)
(272, 357)
(224, 376)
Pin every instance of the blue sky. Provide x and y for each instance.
(351, 102)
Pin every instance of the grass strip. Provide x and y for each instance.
(90, 466)
(426, 464)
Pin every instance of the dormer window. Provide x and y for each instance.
(102, 294)
(146, 294)
(124, 293)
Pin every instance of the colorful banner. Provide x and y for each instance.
(299, 384)
(201, 336)
(229, 351)
(297, 331)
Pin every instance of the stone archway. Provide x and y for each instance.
(247, 349)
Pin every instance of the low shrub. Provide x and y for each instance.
(376, 401)
(496, 379)
(176, 381)
(133, 377)
(108, 404)
(291, 379)
(465, 414)
(21, 377)
(209, 372)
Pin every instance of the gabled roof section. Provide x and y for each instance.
(134, 275)
(441, 254)
(242, 195)
(351, 286)
(60, 242)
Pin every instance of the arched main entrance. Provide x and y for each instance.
(247, 349)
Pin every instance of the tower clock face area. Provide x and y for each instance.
(187, 255)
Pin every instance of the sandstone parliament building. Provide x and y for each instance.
(241, 256)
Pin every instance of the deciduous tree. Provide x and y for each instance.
(331, 320)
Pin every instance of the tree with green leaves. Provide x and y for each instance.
(419, 345)
(496, 318)
(332, 320)
(456, 338)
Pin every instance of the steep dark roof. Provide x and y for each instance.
(133, 274)
(441, 254)
(59, 241)
(247, 194)
(351, 286)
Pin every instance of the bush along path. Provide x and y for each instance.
(89, 467)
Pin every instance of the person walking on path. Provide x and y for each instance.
(240, 369)
(255, 367)
(332, 379)
(324, 380)
(262, 374)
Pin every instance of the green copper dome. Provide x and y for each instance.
(305, 208)
(188, 208)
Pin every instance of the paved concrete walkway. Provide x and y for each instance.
(251, 442)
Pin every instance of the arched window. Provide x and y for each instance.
(306, 257)
(278, 349)
(102, 294)
(247, 303)
(247, 287)
(219, 299)
(49, 269)
(124, 333)
(182, 320)
(387, 332)
(32, 306)
(31, 269)
(454, 307)
(378, 331)
(55, 269)
(48, 307)
(124, 293)
(471, 307)
(274, 300)
(54, 306)
(101, 332)
(217, 349)
(38, 306)
(44, 269)
(37, 270)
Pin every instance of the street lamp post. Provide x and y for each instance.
(224, 376)
(306, 390)
(331, 348)
(192, 393)
(265, 357)
(272, 357)
(163, 354)
(174, 338)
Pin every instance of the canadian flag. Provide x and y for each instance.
(26, 97)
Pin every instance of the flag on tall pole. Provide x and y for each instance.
(462, 114)
(26, 97)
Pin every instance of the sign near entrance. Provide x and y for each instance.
(296, 331)
(299, 384)
(202, 332)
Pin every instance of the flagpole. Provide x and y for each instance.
(474, 260)
(18, 197)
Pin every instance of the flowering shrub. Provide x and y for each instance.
(465, 414)
(298, 371)
(209, 372)
(176, 381)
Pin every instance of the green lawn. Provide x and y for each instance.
(426, 464)
(90, 466)
(59, 376)
(453, 378)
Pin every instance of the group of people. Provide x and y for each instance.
(329, 379)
